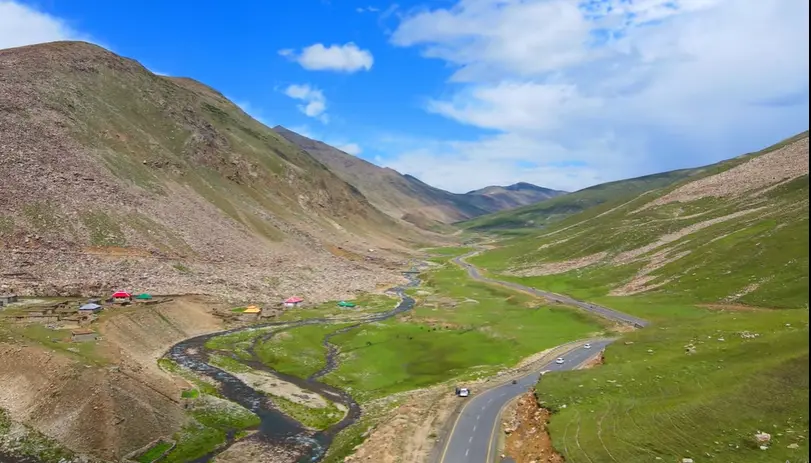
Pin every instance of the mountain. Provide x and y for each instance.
(733, 232)
(114, 177)
(406, 197)
(544, 213)
(516, 195)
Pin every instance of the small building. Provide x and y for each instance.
(293, 302)
(83, 335)
(143, 297)
(252, 309)
(6, 299)
(346, 304)
(88, 309)
(121, 297)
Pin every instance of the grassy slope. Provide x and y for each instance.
(652, 398)
(555, 209)
(526, 220)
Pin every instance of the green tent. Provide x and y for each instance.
(346, 304)
(144, 297)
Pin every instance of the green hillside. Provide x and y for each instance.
(527, 219)
(718, 262)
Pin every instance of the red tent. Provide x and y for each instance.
(293, 300)
(121, 295)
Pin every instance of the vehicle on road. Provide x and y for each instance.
(515, 381)
(462, 391)
(587, 346)
(559, 360)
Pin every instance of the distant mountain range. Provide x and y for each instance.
(405, 197)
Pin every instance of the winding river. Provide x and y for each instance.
(275, 427)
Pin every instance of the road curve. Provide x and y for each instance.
(593, 308)
(473, 437)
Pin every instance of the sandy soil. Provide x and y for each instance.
(266, 382)
(528, 439)
(553, 268)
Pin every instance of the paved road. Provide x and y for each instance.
(596, 309)
(474, 436)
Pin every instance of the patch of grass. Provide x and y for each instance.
(154, 452)
(6, 225)
(181, 268)
(59, 340)
(214, 418)
(449, 251)
(312, 417)
(228, 364)
(202, 385)
(653, 399)
(194, 441)
(224, 415)
(104, 231)
(298, 351)
(473, 330)
(237, 343)
(190, 394)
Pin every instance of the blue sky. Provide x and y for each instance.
(467, 93)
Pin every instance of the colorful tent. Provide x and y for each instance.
(122, 295)
(144, 296)
(293, 300)
(346, 304)
(252, 309)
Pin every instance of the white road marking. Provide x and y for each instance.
(471, 439)
(467, 451)
(477, 417)
(474, 427)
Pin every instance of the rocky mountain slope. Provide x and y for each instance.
(406, 197)
(737, 232)
(114, 177)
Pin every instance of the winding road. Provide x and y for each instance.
(604, 312)
(473, 438)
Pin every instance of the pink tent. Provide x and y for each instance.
(293, 300)
(121, 295)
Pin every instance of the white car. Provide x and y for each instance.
(464, 392)
(559, 360)
(587, 346)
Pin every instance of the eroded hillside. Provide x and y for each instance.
(737, 233)
(116, 177)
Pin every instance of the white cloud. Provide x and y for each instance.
(23, 25)
(341, 58)
(315, 104)
(351, 148)
(368, 9)
(616, 88)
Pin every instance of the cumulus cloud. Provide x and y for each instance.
(585, 92)
(368, 9)
(346, 58)
(23, 25)
(314, 103)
